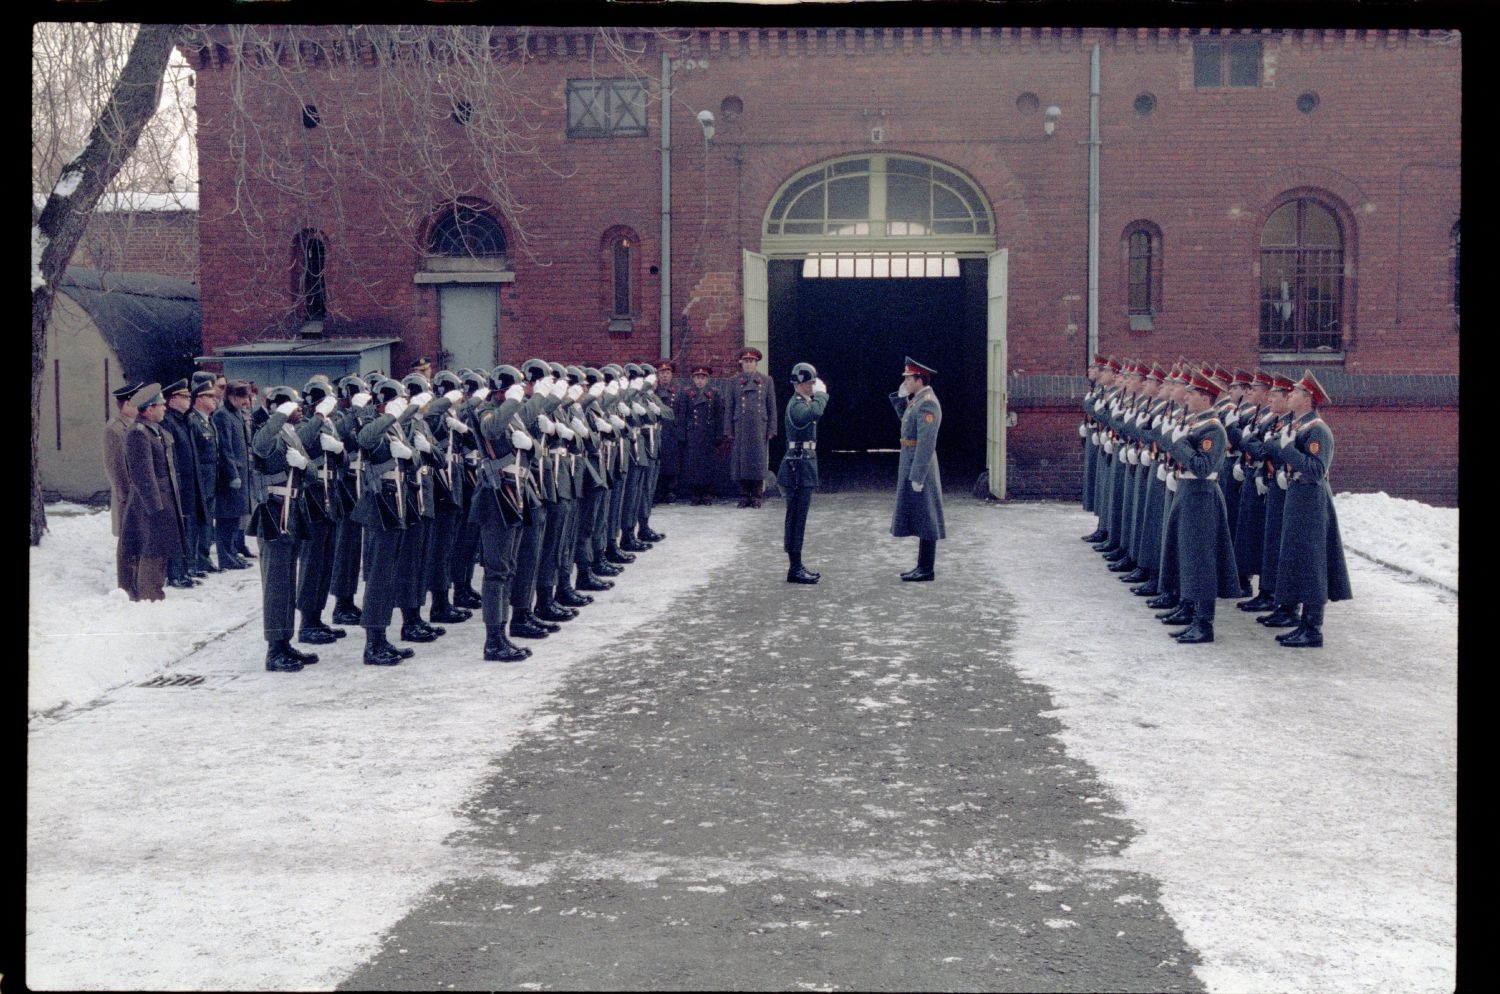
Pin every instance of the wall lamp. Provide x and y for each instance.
(706, 122)
(1050, 118)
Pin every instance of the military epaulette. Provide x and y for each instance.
(1308, 424)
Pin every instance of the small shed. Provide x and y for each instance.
(292, 362)
(106, 329)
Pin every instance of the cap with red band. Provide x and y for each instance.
(914, 368)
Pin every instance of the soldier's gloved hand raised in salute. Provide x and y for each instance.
(818, 386)
(917, 486)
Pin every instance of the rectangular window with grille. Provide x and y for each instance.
(606, 108)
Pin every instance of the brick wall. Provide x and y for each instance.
(163, 242)
(1206, 167)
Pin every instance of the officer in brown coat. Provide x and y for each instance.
(115, 431)
(749, 426)
(151, 529)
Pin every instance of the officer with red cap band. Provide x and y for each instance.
(919, 485)
(750, 426)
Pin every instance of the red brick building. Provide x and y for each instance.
(1264, 199)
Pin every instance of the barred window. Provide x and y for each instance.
(466, 231)
(1301, 279)
(1226, 63)
(606, 108)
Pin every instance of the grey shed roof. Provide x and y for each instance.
(153, 323)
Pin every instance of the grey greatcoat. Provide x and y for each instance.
(152, 525)
(751, 422)
(919, 514)
(1311, 567)
(234, 463)
(114, 466)
(1198, 552)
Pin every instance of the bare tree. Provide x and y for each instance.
(59, 223)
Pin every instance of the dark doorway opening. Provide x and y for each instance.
(857, 332)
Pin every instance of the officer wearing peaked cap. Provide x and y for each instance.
(386, 457)
(151, 527)
(919, 485)
(205, 445)
(798, 474)
(749, 426)
(278, 523)
(181, 571)
(354, 411)
(115, 432)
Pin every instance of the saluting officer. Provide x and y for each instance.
(1312, 570)
(323, 507)
(659, 418)
(798, 474)
(919, 485)
(387, 459)
(278, 455)
(749, 427)
(450, 489)
(1274, 485)
(352, 414)
(499, 507)
(466, 543)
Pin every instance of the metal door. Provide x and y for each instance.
(469, 321)
(998, 279)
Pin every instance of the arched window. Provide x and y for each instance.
(309, 280)
(466, 231)
(619, 271)
(1140, 245)
(1302, 278)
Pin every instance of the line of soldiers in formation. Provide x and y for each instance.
(544, 475)
(1203, 479)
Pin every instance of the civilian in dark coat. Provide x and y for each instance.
(749, 425)
(701, 419)
(232, 485)
(152, 527)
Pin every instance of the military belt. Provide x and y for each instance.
(1185, 475)
(910, 443)
(287, 491)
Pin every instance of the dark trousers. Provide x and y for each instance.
(648, 495)
(635, 487)
(445, 529)
(225, 532)
(200, 541)
(567, 545)
(416, 565)
(497, 550)
(348, 543)
(557, 522)
(528, 558)
(465, 549)
(617, 494)
(315, 568)
(798, 503)
(278, 589)
(926, 553)
(585, 549)
(125, 570)
(382, 555)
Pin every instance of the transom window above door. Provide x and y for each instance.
(875, 200)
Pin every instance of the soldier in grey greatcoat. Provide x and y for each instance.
(151, 529)
(919, 485)
(798, 474)
(279, 525)
(115, 431)
(749, 426)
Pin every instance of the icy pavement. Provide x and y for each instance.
(268, 831)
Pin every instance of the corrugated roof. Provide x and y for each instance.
(153, 323)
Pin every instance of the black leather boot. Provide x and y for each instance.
(1097, 535)
(466, 598)
(1163, 600)
(568, 595)
(305, 658)
(632, 544)
(1136, 575)
(1182, 614)
(1292, 632)
(524, 626)
(1285, 616)
(499, 649)
(446, 612)
(345, 613)
(616, 555)
(378, 650)
(1105, 545)
(588, 581)
(801, 574)
(316, 633)
(1307, 637)
(419, 631)
(278, 661)
(646, 534)
(1260, 602)
(547, 608)
(1149, 588)
(604, 567)
(1122, 565)
(1198, 631)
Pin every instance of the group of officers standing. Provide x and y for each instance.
(1203, 479)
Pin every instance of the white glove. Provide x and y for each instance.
(1239, 472)
(1161, 471)
(1132, 455)
(614, 419)
(1260, 486)
(565, 433)
(1094, 437)
(638, 410)
(326, 405)
(330, 443)
(917, 486)
(422, 443)
(515, 392)
(651, 380)
(520, 439)
(1083, 430)
(903, 390)
(575, 391)
(456, 425)
(286, 408)
(606, 427)
(634, 382)
(581, 428)
(395, 407)
(560, 389)
(612, 388)
(622, 409)
(1109, 446)
(546, 424)
(359, 400)
(455, 396)
(819, 386)
(544, 385)
(1281, 478)
(1178, 432)
(482, 393)
(1172, 482)
(422, 399)
(596, 389)
(401, 450)
(296, 459)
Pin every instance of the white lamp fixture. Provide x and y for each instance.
(706, 122)
(1050, 117)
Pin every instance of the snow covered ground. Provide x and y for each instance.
(259, 831)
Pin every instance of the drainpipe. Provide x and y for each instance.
(1093, 206)
(666, 205)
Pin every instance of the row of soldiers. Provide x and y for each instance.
(1204, 479)
(543, 474)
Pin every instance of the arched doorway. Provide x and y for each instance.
(866, 259)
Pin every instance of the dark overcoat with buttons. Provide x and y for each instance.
(234, 463)
(751, 421)
(919, 514)
(206, 453)
(152, 523)
(701, 417)
(1311, 568)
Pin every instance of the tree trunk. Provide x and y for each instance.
(56, 231)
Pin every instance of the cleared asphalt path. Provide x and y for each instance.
(786, 787)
